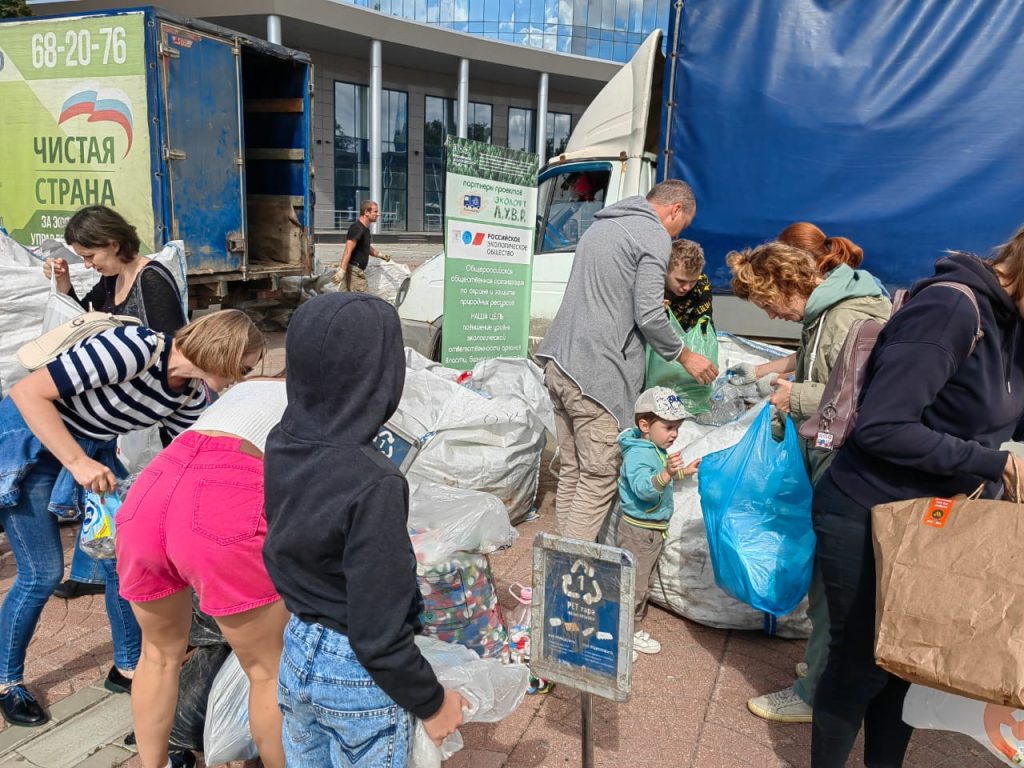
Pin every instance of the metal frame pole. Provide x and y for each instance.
(375, 106)
(587, 716)
(463, 118)
(542, 117)
(274, 29)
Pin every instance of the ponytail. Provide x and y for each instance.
(828, 252)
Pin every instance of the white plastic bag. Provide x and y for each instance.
(999, 729)
(443, 521)
(226, 735)
(136, 449)
(60, 308)
(23, 302)
(486, 434)
(384, 278)
(493, 691)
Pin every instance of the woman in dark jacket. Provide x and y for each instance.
(937, 404)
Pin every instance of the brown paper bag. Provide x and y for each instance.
(950, 607)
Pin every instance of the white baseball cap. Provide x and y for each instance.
(663, 403)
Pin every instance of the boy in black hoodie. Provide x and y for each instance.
(338, 550)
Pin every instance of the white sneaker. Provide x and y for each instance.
(801, 669)
(644, 643)
(781, 707)
(635, 655)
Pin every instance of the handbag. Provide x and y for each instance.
(949, 578)
(38, 352)
(833, 422)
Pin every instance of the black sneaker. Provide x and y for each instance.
(19, 707)
(71, 589)
(183, 759)
(116, 682)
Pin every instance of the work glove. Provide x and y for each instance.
(384, 256)
(766, 384)
(743, 373)
(338, 277)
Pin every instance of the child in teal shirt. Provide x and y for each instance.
(645, 490)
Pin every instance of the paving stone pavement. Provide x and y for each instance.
(687, 709)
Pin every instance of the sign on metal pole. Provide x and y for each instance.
(582, 633)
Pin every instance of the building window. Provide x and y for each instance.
(478, 122)
(394, 150)
(521, 131)
(439, 122)
(559, 126)
(352, 155)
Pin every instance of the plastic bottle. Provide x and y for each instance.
(519, 624)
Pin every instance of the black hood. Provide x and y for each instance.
(346, 369)
(973, 272)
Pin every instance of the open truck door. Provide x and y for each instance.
(202, 146)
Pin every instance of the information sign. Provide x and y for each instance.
(490, 217)
(398, 445)
(582, 632)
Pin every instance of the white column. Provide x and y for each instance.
(274, 29)
(376, 102)
(463, 106)
(542, 117)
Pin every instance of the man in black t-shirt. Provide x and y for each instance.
(358, 250)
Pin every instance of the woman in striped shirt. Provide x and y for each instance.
(129, 284)
(59, 427)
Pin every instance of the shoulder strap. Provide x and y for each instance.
(978, 333)
(814, 350)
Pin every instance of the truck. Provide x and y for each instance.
(191, 131)
(848, 115)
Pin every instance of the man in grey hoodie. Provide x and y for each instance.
(594, 352)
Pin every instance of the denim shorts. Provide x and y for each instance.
(335, 716)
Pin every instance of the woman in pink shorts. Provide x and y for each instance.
(194, 518)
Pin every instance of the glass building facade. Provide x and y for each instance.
(352, 155)
(603, 29)
(439, 122)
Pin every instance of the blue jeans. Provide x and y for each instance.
(88, 570)
(34, 535)
(335, 716)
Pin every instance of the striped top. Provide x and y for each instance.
(114, 382)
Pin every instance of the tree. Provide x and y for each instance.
(10, 9)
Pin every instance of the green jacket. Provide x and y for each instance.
(846, 295)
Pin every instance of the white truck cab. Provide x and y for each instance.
(611, 155)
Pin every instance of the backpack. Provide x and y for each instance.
(833, 422)
(37, 353)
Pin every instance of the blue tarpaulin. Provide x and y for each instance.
(897, 124)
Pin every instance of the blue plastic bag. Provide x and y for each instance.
(756, 500)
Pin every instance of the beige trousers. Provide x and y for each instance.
(355, 280)
(646, 546)
(589, 456)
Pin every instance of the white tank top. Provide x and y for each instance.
(250, 409)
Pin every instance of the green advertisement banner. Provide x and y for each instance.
(74, 123)
(490, 216)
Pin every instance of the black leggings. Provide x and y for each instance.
(853, 689)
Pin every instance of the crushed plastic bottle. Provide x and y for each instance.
(727, 404)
